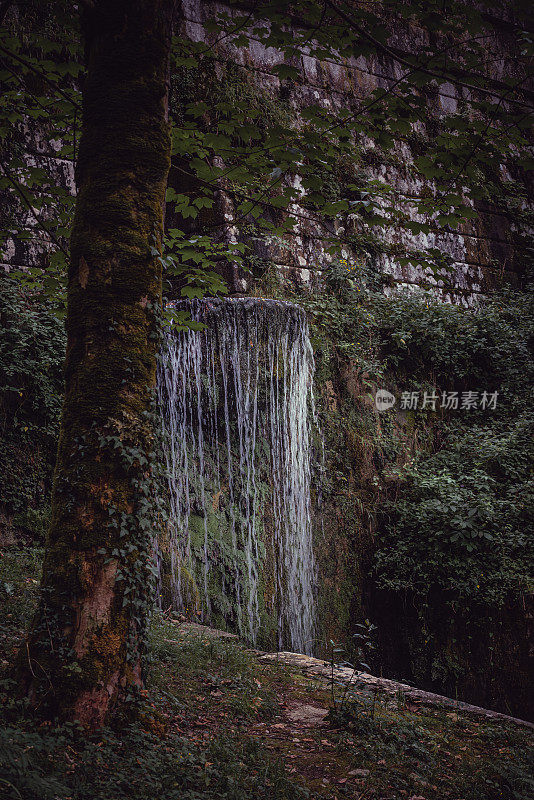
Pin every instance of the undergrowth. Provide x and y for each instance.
(438, 755)
(214, 666)
(213, 724)
(158, 755)
(62, 763)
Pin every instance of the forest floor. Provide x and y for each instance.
(220, 722)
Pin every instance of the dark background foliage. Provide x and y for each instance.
(32, 349)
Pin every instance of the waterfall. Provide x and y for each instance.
(237, 406)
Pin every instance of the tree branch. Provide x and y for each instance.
(39, 72)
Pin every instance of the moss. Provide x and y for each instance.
(114, 291)
(106, 651)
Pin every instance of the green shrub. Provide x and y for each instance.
(32, 347)
(20, 571)
(488, 347)
(460, 526)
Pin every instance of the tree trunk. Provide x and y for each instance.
(84, 654)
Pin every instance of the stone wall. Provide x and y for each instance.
(484, 253)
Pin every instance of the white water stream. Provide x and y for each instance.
(237, 403)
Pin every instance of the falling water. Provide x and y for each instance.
(237, 401)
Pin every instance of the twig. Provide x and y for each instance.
(30, 661)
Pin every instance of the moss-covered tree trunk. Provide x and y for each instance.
(84, 654)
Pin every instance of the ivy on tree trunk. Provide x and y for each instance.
(84, 654)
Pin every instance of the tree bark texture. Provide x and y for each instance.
(84, 654)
